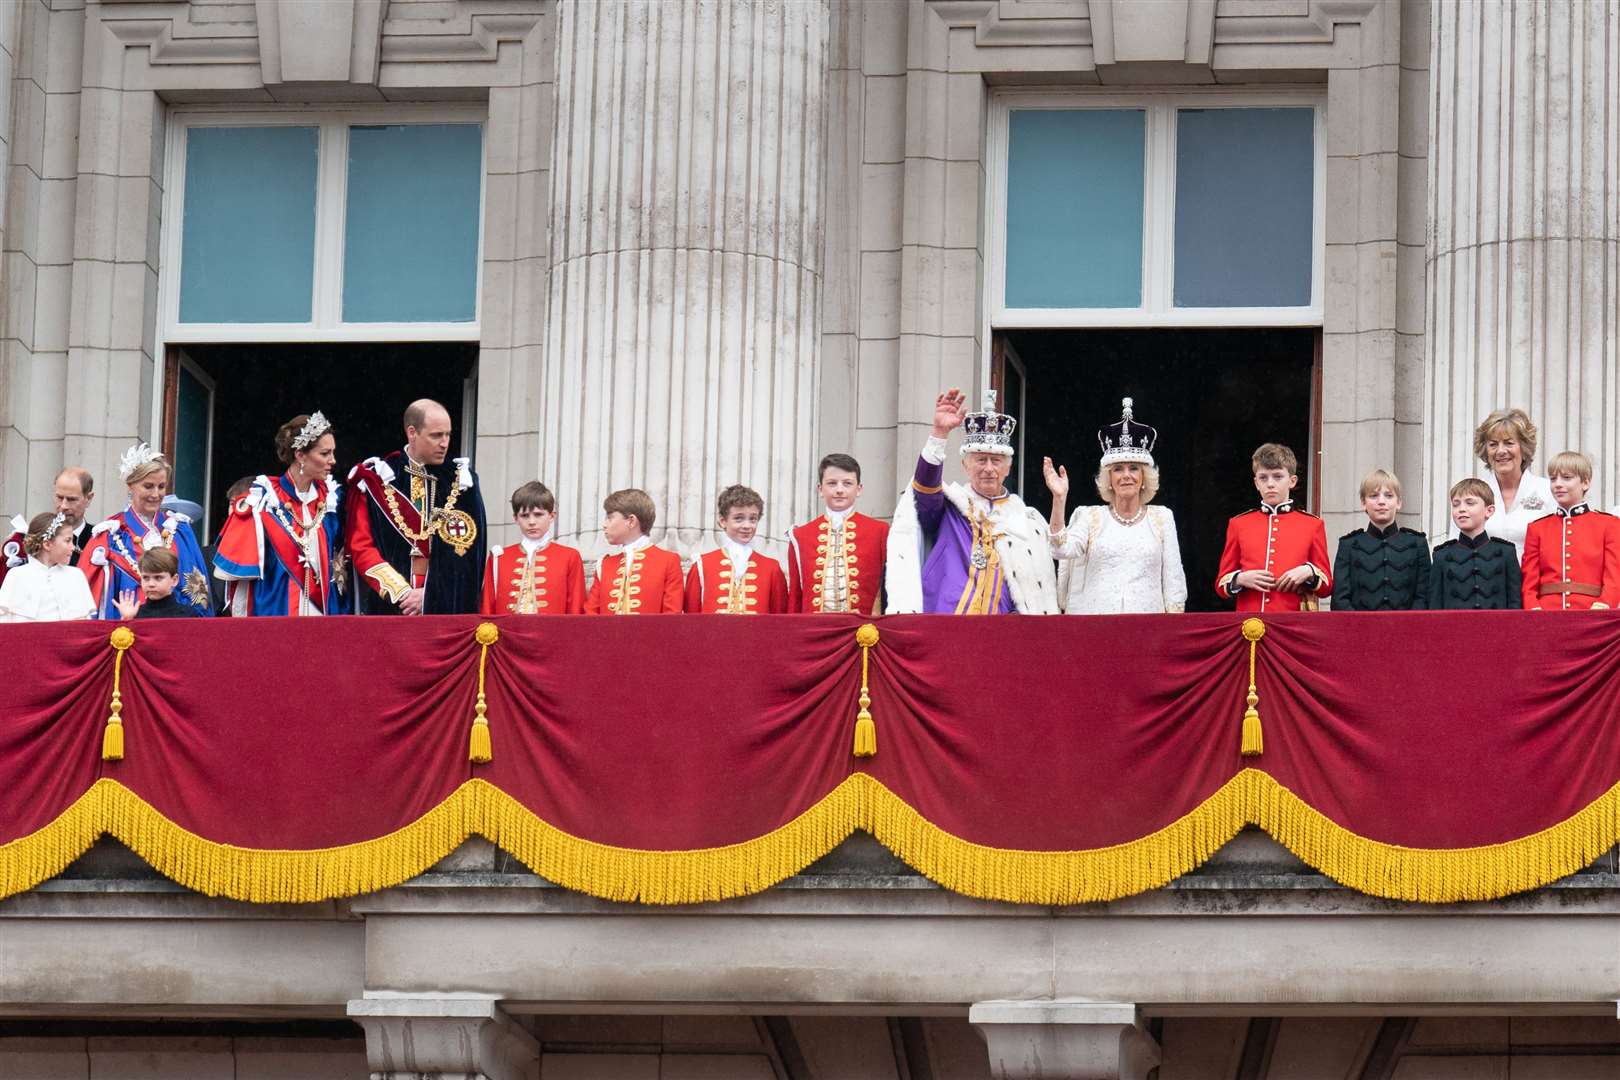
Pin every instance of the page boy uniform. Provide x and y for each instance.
(835, 563)
(1479, 573)
(533, 577)
(734, 579)
(1381, 570)
(1572, 560)
(1275, 538)
(638, 579)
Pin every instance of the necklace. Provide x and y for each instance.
(430, 520)
(1141, 512)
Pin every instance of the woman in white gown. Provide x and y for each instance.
(46, 588)
(1122, 556)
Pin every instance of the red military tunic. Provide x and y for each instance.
(549, 582)
(1275, 539)
(837, 570)
(711, 590)
(639, 581)
(1572, 560)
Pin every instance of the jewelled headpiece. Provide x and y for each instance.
(988, 431)
(316, 426)
(1127, 440)
(136, 456)
(56, 523)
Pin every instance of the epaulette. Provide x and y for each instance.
(495, 552)
(1414, 532)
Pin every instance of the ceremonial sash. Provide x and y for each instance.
(286, 549)
(409, 515)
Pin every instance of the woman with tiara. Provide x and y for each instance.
(281, 551)
(1122, 556)
(111, 560)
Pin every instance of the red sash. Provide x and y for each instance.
(408, 513)
(287, 550)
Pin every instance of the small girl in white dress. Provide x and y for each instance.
(46, 588)
(1122, 556)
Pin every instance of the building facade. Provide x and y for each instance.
(684, 244)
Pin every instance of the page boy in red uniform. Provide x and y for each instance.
(1276, 556)
(636, 577)
(734, 579)
(1571, 556)
(835, 563)
(536, 575)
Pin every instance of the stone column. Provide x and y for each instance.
(684, 287)
(1064, 1040)
(1524, 237)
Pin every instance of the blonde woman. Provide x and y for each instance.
(1121, 556)
(1506, 442)
(111, 561)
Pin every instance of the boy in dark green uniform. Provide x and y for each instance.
(1476, 571)
(1382, 567)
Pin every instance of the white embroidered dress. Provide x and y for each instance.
(1106, 568)
(34, 592)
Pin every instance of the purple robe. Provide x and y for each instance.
(949, 578)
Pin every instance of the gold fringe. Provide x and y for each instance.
(860, 802)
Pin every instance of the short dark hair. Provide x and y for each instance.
(838, 461)
(159, 560)
(238, 489)
(633, 502)
(534, 496)
(738, 495)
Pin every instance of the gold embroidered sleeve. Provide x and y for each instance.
(389, 582)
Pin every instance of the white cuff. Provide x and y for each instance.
(933, 450)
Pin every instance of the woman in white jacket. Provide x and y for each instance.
(1121, 556)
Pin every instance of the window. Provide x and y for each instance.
(1157, 209)
(363, 225)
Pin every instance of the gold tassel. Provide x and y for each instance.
(112, 736)
(479, 751)
(865, 729)
(1254, 742)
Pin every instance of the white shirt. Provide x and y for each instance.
(1108, 569)
(34, 592)
(532, 546)
(1533, 500)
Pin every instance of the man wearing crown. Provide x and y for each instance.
(416, 525)
(974, 548)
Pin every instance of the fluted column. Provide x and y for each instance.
(1524, 240)
(686, 238)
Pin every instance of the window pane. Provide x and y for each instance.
(1244, 207)
(247, 249)
(1074, 208)
(411, 230)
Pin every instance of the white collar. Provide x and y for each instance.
(637, 544)
(838, 517)
(532, 546)
(410, 462)
(739, 554)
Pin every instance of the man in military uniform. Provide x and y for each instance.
(416, 529)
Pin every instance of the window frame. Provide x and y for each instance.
(331, 193)
(1158, 213)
